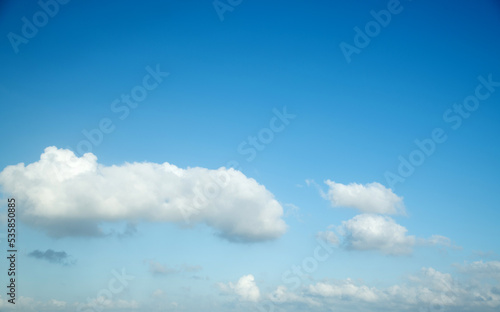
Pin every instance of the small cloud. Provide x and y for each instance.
(440, 241)
(347, 290)
(191, 268)
(58, 304)
(59, 257)
(374, 232)
(159, 293)
(311, 182)
(328, 237)
(157, 268)
(368, 198)
(379, 233)
(283, 295)
(109, 304)
(292, 211)
(245, 288)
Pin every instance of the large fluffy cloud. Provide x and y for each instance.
(69, 195)
(374, 232)
(368, 198)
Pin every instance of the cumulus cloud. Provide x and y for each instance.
(374, 232)
(434, 279)
(378, 233)
(66, 195)
(368, 198)
(60, 257)
(431, 287)
(245, 288)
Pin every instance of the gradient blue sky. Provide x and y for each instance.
(352, 122)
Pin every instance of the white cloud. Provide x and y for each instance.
(345, 290)
(433, 279)
(67, 195)
(431, 287)
(57, 303)
(329, 237)
(374, 232)
(245, 288)
(106, 303)
(283, 295)
(23, 303)
(368, 198)
(379, 233)
(429, 290)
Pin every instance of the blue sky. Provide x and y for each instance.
(318, 140)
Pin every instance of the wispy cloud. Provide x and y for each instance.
(159, 269)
